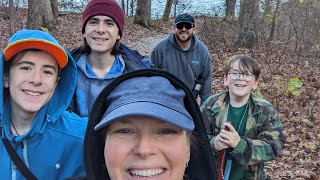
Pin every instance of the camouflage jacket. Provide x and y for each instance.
(263, 140)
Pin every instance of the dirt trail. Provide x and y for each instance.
(144, 45)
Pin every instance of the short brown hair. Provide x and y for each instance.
(245, 63)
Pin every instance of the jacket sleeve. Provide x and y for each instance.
(206, 74)
(268, 143)
(206, 115)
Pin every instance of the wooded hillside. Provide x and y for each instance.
(287, 48)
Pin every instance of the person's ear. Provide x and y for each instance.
(6, 80)
(255, 86)
(225, 81)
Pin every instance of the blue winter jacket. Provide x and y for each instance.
(53, 147)
(90, 85)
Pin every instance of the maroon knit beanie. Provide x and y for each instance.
(103, 8)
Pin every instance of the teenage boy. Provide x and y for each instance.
(185, 56)
(38, 79)
(254, 133)
(102, 57)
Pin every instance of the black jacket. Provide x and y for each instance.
(202, 165)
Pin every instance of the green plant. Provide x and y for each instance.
(44, 29)
(291, 88)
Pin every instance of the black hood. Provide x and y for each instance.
(202, 164)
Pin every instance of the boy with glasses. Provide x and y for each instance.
(184, 55)
(243, 123)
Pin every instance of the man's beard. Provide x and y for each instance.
(183, 41)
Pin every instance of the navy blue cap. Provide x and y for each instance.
(184, 18)
(153, 97)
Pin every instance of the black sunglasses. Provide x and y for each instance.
(185, 25)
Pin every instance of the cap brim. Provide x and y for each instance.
(148, 109)
(184, 22)
(57, 52)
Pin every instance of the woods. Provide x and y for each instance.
(283, 35)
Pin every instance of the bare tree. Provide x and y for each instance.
(143, 16)
(34, 14)
(273, 24)
(132, 6)
(247, 35)
(48, 20)
(230, 8)
(123, 6)
(54, 5)
(167, 9)
(268, 6)
(11, 17)
(40, 14)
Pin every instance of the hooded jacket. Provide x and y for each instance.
(89, 85)
(188, 65)
(52, 148)
(201, 165)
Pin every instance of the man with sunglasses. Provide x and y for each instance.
(184, 55)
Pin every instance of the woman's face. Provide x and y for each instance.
(145, 148)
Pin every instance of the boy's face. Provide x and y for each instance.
(101, 33)
(240, 81)
(31, 81)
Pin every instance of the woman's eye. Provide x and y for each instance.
(123, 131)
(168, 131)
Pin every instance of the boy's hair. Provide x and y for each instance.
(245, 63)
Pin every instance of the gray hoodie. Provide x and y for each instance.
(185, 64)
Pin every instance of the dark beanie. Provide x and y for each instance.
(103, 8)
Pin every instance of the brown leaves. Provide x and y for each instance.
(300, 114)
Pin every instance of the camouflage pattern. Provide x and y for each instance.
(263, 140)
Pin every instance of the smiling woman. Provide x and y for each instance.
(142, 126)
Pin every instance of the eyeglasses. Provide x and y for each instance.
(185, 25)
(247, 76)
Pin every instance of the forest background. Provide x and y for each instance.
(283, 35)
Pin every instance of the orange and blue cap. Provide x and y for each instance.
(35, 39)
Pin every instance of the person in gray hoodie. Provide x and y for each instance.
(185, 56)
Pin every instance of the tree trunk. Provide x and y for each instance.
(123, 6)
(167, 9)
(54, 5)
(48, 19)
(142, 16)
(131, 4)
(11, 17)
(247, 31)
(273, 25)
(268, 6)
(230, 8)
(128, 8)
(34, 14)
